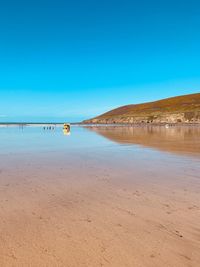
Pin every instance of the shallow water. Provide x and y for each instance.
(151, 151)
(156, 149)
(179, 140)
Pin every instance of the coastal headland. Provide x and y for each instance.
(175, 110)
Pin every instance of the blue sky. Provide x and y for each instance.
(71, 60)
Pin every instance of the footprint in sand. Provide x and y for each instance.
(137, 193)
(194, 207)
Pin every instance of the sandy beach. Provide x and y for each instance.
(109, 205)
(99, 133)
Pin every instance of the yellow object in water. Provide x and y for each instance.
(66, 126)
(66, 129)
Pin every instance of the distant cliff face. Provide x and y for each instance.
(180, 109)
(184, 117)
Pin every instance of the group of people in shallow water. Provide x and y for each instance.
(48, 128)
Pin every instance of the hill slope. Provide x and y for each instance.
(184, 108)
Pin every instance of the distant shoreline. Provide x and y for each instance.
(98, 124)
(31, 123)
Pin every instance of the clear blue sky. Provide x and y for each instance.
(70, 60)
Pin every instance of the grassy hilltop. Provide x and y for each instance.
(179, 109)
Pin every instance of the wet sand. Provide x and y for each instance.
(111, 206)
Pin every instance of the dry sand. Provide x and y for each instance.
(96, 212)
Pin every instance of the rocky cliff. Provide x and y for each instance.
(180, 109)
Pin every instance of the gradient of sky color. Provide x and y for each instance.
(70, 60)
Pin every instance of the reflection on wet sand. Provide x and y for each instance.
(174, 139)
(66, 132)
